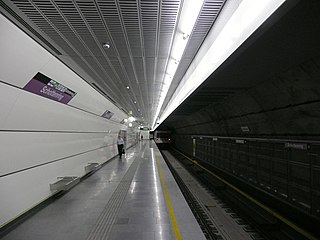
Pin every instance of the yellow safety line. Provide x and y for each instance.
(168, 202)
(269, 210)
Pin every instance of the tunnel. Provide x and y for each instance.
(234, 85)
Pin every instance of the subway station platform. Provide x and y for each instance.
(135, 197)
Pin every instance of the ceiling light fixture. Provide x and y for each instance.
(127, 87)
(185, 36)
(106, 45)
(131, 119)
(188, 16)
(245, 20)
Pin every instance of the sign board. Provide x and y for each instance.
(49, 88)
(301, 146)
(107, 114)
(245, 129)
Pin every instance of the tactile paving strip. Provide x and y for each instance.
(103, 226)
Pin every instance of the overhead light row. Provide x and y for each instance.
(107, 45)
(134, 101)
(249, 15)
(188, 16)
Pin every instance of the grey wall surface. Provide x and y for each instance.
(286, 105)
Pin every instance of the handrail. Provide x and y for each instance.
(259, 139)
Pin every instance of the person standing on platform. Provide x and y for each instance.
(120, 144)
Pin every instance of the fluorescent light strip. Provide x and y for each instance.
(188, 16)
(246, 19)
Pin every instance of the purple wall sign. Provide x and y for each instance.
(46, 87)
(107, 114)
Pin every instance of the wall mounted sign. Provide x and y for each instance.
(49, 88)
(107, 114)
(301, 146)
(245, 129)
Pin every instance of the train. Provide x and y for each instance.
(162, 139)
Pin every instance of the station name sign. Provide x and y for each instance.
(107, 114)
(49, 88)
(301, 146)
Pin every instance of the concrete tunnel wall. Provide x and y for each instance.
(271, 83)
(286, 105)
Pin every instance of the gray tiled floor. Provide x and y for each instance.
(142, 206)
(142, 215)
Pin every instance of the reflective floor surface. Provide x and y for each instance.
(132, 198)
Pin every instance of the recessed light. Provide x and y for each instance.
(185, 36)
(134, 101)
(127, 87)
(106, 45)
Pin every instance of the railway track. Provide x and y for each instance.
(250, 221)
(209, 230)
(209, 210)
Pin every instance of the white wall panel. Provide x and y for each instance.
(8, 96)
(87, 97)
(35, 130)
(23, 190)
(21, 150)
(33, 112)
(20, 57)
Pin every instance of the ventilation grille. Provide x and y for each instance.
(140, 34)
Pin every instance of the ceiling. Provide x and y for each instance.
(139, 32)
